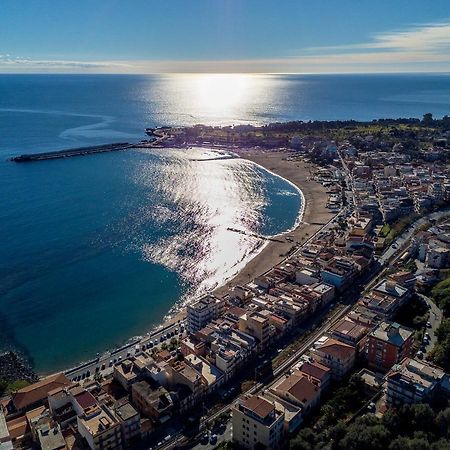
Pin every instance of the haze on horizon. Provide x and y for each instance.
(220, 36)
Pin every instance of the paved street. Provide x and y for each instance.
(401, 240)
(226, 436)
(435, 320)
(105, 362)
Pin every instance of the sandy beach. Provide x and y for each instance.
(315, 215)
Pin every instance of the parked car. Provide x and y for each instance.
(205, 438)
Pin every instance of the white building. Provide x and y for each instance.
(203, 311)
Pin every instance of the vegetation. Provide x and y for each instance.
(441, 296)
(416, 427)
(390, 232)
(343, 403)
(414, 314)
(8, 387)
(441, 351)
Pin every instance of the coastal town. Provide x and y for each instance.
(345, 320)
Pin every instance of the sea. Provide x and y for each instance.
(95, 250)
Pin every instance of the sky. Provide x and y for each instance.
(263, 36)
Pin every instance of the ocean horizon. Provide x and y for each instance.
(99, 249)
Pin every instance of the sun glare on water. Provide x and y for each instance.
(216, 99)
(218, 93)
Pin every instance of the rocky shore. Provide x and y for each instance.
(13, 367)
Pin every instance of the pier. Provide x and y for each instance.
(259, 236)
(82, 151)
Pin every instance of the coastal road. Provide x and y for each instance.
(104, 364)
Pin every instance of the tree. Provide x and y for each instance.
(363, 437)
(404, 443)
(443, 422)
(427, 119)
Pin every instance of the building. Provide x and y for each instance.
(213, 376)
(299, 390)
(5, 438)
(36, 394)
(336, 355)
(316, 372)
(256, 325)
(339, 273)
(130, 423)
(351, 333)
(182, 373)
(256, 422)
(203, 311)
(51, 438)
(387, 345)
(414, 381)
(101, 430)
(153, 402)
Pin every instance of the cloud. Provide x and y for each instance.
(419, 48)
(9, 63)
(430, 39)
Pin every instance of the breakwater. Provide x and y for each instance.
(82, 151)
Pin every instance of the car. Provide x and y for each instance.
(213, 439)
(371, 407)
(161, 338)
(428, 325)
(427, 335)
(150, 344)
(205, 438)
(103, 366)
(88, 373)
(110, 362)
(420, 354)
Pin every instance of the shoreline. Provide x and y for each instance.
(312, 216)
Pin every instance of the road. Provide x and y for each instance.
(227, 435)
(401, 241)
(104, 364)
(434, 320)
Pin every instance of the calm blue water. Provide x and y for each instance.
(98, 249)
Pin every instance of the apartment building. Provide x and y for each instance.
(101, 430)
(336, 355)
(256, 422)
(414, 381)
(203, 311)
(387, 345)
